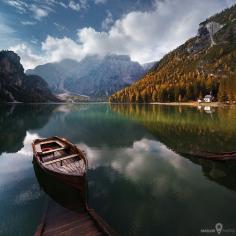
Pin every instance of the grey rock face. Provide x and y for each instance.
(94, 76)
(15, 86)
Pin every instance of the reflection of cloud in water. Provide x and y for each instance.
(64, 109)
(135, 160)
(28, 195)
(144, 148)
(27, 149)
(16, 166)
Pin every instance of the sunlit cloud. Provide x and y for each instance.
(143, 35)
(74, 6)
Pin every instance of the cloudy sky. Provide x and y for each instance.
(42, 31)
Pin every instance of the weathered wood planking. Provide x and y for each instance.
(60, 221)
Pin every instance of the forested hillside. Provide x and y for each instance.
(205, 64)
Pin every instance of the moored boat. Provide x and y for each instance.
(216, 156)
(61, 159)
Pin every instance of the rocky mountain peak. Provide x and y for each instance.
(10, 63)
(94, 76)
(15, 86)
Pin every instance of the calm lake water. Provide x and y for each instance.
(142, 178)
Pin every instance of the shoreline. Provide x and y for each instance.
(191, 104)
(196, 104)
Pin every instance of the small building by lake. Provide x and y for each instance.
(208, 98)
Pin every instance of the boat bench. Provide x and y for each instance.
(53, 150)
(60, 159)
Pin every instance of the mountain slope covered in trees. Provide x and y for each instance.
(204, 64)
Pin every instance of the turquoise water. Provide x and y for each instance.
(142, 179)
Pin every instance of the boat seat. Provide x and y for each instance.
(53, 150)
(50, 158)
(61, 159)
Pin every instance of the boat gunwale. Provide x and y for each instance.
(80, 153)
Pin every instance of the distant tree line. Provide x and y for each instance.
(180, 77)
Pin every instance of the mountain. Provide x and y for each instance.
(149, 65)
(15, 86)
(94, 76)
(204, 64)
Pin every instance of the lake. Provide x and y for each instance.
(142, 178)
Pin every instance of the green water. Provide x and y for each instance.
(142, 179)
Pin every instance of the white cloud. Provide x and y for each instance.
(131, 161)
(28, 23)
(77, 6)
(39, 10)
(100, 1)
(108, 21)
(27, 149)
(56, 49)
(145, 36)
(74, 6)
(18, 4)
(39, 13)
(83, 3)
(63, 4)
(28, 58)
(59, 26)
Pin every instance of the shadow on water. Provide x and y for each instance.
(60, 193)
(223, 173)
(16, 119)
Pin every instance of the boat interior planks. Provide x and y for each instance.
(62, 159)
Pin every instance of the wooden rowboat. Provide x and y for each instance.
(217, 156)
(66, 211)
(61, 159)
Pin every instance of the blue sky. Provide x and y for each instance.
(42, 31)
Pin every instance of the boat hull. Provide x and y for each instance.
(77, 182)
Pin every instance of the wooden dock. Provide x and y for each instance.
(66, 212)
(60, 221)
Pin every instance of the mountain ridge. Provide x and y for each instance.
(94, 76)
(16, 86)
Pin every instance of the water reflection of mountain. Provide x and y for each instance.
(94, 125)
(16, 119)
(185, 129)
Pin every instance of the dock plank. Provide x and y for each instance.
(60, 221)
